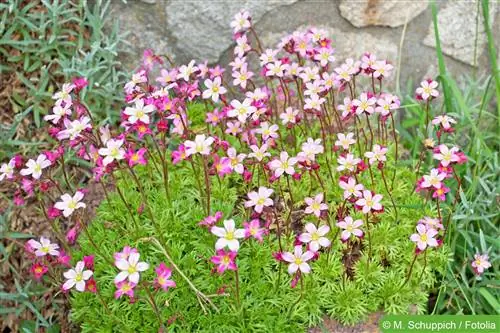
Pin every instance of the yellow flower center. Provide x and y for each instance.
(315, 236)
(229, 235)
(298, 261)
(261, 201)
(72, 204)
(423, 238)
(78, 277)
(131, 270)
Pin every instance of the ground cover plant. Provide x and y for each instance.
(257, 200)
(43, 44)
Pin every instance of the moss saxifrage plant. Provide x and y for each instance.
(263, 211)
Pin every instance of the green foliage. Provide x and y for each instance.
(45, 43)
(474, 226)
(267, 300)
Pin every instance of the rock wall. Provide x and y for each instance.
(190, 29)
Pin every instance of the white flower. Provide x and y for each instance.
(434, 179)
(310, 149)
(310, 74)
(444, 120)
(228, 236)
(242, 76)
(57, 113)
(427, 89)
(139, 112)
(130, 268)
(446, 155)
(346, 108)
(289, 116)
(347, 163)
(315, 236)
(315, 205)
(345, 140)
(34, 168)
(200, 145)
(241, 21)
(64, 93)
(276, 69)
(350, 228)
(112, 152)
(74, 128)
(298, 260)
(269, 55)
(370, 202)
(44, 247)
(7, 170)
(186, 71)
(267, 131)
(344, 72)
(214, 89)
(324, 56)
(313, 88)
(236, 160)
(259, 153)
(241, 110)
(313, 103)
(377, 155)
(70, 203)
(284, 164)
(424, 237)
(364, 104)
(260, 199)
(76, 277)
(351, 188)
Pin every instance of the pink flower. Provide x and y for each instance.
(126, 252)
(209, 221)
(260, 199)
(136, 157)
(424, 237)
(125, 288)
(315, 237)
(222, 165)
(38, 270)
(480, 263)
(315, 205)
(369, 202)
(179, 154)
(298, 260)
(224, 260)
(72, 235)
(430, 222)
(163, 274)
(253, 229)
(440, 193)
(350, 227)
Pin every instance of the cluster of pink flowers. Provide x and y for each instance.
(251, 135)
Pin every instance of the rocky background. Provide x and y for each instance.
(190, 29)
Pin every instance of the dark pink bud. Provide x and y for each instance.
(278, 256)
(80, 83)
(88, 261)
(72, 235)
(247, 176)
(297, 176)
(53, 212)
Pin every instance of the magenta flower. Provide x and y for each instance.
(253, 229)
(38, 270)
(125, 288)
(211, 220)
(179, 154)
(163, 274)
(136, 157)
(440, 193)
(224, 260)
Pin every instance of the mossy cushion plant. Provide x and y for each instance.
(264, 212)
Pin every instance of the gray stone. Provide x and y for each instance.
(347, 44)
(457, 30)
(202, 29)
(362, 13)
